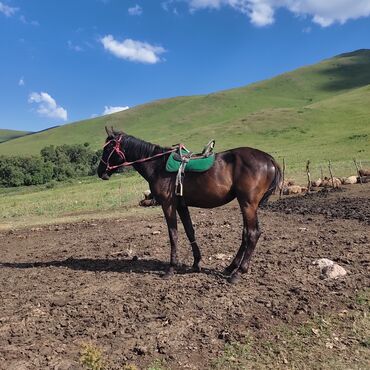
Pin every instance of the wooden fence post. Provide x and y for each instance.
(308, 176)
(331, 175)
(358, 170)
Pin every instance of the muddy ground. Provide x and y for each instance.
(100, 282)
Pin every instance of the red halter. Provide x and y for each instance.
(117, 149)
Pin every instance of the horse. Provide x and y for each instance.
(244, 173)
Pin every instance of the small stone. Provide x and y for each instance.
(333, 272)
(323, 262)
(156, 232)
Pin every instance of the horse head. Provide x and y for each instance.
(113, 155)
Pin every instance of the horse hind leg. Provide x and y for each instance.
(184, 214)
(251, 234)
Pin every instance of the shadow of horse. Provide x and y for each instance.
(139, 266)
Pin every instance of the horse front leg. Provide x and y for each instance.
(184, 214)
(169, 211)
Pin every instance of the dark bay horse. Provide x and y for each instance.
(247, 174)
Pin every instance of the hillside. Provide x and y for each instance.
(315, 112)
(6, 135)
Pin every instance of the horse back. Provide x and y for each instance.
(244, 172)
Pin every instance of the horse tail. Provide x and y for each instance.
(276, 182)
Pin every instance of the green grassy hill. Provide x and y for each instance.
(6, 135)
(317, 112)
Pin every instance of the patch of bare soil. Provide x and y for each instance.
(332, 203)
(100, 282)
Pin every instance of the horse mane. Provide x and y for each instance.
(140, 148)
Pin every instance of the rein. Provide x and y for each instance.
(117, 149)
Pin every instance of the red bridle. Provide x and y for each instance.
(117, 149)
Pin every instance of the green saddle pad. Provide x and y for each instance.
(194, 165)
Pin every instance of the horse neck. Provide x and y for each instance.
(137, 150)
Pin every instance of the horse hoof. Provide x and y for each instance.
(228, 271)
(196, 268)
(233, 279)
(167, 275)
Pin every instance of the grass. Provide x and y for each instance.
(335, 341)
(6, 135)
(338, 340)
(318, 112)
(92, 358)
(27, 206)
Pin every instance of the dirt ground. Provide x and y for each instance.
(100, 282)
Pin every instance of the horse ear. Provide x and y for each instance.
(109, 133)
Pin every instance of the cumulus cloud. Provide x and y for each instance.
(135, 10)
(135, 51)
(322, 12)
(110, 110)
(7, 10)
(47, 106)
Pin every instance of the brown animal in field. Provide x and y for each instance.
(288, 182)
(364, 172)
(293, 189)
(349, 180)
(149, 200)
(328, 182)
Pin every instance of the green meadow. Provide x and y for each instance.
(318, 113)
(6, 135)
(73, 200)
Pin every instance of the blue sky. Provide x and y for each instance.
(63, 61)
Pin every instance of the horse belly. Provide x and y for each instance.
(207, 190)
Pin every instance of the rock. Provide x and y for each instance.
(333, 272)
(329, 269)
(323, 262)
(221, 256)
(156, 232)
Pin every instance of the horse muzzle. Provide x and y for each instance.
(103, 172)
(105, 176)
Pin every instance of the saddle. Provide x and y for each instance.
(183, 160)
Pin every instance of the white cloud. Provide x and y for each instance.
(24, 20)
(110, 110)
(21, 82)
(322, 12)
(74, 47)
(47, 106)
(135, 51)
(135, 10)
(7, 10)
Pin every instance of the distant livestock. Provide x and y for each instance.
(294, 189)
(364, 172)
